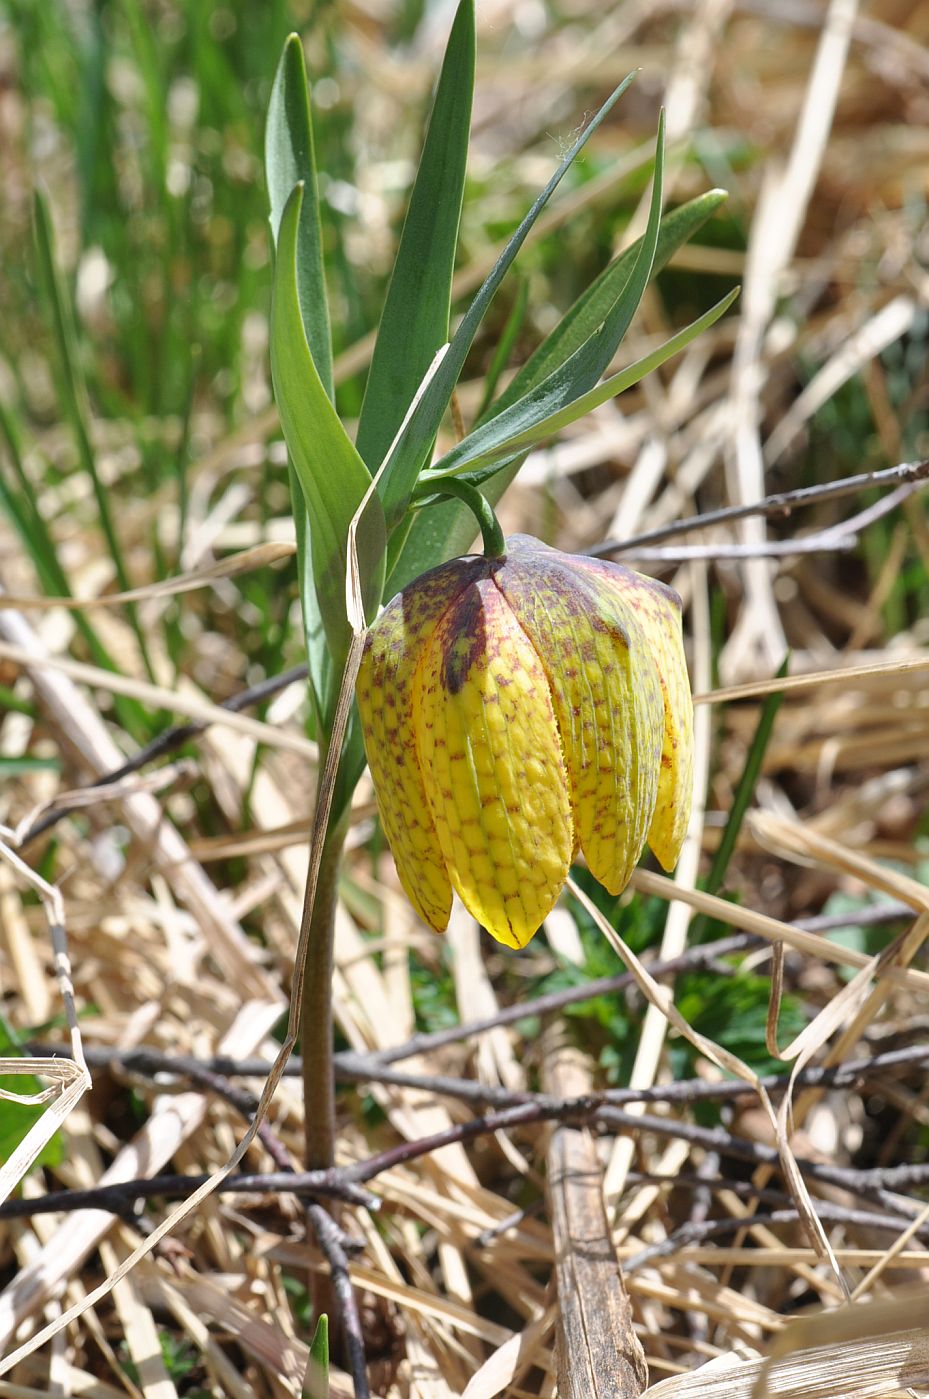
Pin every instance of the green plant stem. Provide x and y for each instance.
(478, 504)
(316, 1008)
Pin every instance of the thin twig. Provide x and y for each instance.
(338, 1181)
(357, 1068)
(780, 505)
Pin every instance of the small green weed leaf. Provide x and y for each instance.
(316, 1384)
(332, 475)
(17, 1118)
(414, 323)
(21, 766)
(411, 450)
(289, 160)
(443, 531)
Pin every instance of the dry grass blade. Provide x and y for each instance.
(754, 689)
(883, 1366)
(160, 698)
(261, 556)
(770, 928)
(500, 1369)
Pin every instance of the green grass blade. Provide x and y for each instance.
(414, 443)
(414, 323)
(290, 160)
(745, 790)
(445, 530)
(73, 394)
(703, 929)
(332, 475)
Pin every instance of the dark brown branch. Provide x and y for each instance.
(781, 505)
(339, 1181)
(121, 1196)
(370, 1069)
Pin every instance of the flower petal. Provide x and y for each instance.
(607, 699)
(492, 764)
(384, 692)
(658, 609)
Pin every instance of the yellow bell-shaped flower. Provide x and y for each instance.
(517, 710)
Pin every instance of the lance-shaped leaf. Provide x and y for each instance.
(582, 368)
(414, 322)
(594, 303)
(579, 407)
(290, 160)
(411, 449)
(443, 531)
(332, 475)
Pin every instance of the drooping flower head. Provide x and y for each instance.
(517, 710)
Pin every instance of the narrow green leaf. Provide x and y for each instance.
(414, 443)
(332, 475)
(414, 323)
(703, 928)
(289, 160)
(592, 306)
(564, 386)
(745, 790)
(444, 531)
(601, 392)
